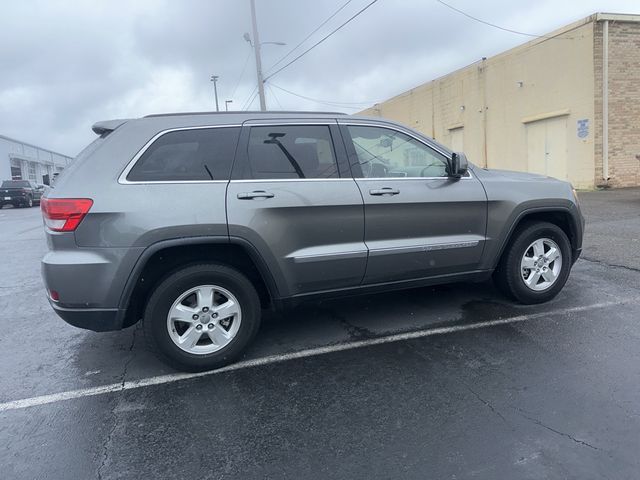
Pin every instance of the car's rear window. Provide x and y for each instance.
(188, 155)
(15, 184)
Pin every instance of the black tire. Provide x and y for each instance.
(28, 203)
(168, 291)
(508, 275)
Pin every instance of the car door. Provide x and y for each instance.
(419, 222)
(293, 199)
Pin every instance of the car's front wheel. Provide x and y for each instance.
(536, 264)
(202, 317)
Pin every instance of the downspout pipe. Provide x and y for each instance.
(605, 101)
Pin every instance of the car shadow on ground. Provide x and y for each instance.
(336, 321)
(113, 356)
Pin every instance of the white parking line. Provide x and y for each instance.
(311, 352)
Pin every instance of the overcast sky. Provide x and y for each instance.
(66, 64)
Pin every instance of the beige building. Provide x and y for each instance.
(566, 104)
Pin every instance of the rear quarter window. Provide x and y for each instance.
(188, 155)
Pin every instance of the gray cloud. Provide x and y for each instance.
(68, 64)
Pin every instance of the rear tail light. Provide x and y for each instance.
(64, 214)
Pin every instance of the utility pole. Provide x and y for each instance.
(214, 79)
(256, 49)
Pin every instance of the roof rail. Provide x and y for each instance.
(252, 112)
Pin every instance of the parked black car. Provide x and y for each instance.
(20, 193)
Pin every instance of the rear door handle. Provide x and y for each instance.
(254, 194)
(384, 191)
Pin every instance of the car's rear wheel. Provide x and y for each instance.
(536, 264)
(29, 202)
(202, 317)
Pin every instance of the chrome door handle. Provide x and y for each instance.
(384, 191)
(255, 194)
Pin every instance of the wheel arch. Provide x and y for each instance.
(559, 216)
(160, 259)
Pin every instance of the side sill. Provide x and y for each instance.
(473, 276)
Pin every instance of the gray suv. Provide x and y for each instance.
(194, 223)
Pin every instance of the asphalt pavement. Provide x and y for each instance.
(446, 382)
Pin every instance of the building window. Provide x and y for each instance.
(16, 170)
(32, 171)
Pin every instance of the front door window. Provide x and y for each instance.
(386, 153)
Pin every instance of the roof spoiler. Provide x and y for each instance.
(107, 126)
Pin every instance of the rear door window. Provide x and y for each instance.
(188, 155)
(290, 152)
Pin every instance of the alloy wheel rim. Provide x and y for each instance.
(541, 264)
(204, 319)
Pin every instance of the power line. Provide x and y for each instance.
(321, 40)
(251, 100)
(497, 26)
(274, 96)
(307, 37)
(250, 97)
(244, 67)
(326, 102)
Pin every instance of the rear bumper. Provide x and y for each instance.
(96, 319)
(86, 279)
(14, 200)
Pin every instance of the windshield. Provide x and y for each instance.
(15, 184)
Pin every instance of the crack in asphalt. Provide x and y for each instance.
(557, 432)
(107, 441)
(355, 332)
(615, 265)
(131, 357)
(105, 445)
(488, 405)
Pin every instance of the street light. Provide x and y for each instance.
(256, 47)
(256, 44)
(214, 79)
(226, 105)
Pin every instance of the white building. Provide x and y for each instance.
(23, 161)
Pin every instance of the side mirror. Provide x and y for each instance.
(458, 165)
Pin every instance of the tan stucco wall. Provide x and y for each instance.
(557, 79)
